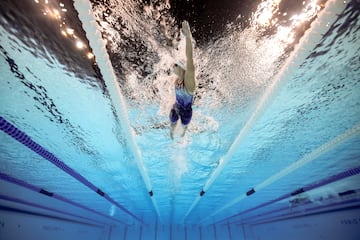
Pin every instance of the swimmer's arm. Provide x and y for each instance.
(190, 68)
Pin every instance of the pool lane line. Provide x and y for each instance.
(22, 183)
(40, 206)
(24, 139)
(354, 204)
(299, 54)
(336, 141)
(91, 28)
(320, 183)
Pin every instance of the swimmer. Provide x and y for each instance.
(184, 86)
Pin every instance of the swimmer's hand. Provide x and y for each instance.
(185, 29)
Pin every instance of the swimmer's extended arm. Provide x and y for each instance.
(190, 68)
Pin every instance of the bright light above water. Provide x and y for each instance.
(80, 44)
(285, 34)
(90, 55)
(51, 10)
(267, 12)
(70, 31)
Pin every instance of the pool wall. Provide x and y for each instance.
(16, 224)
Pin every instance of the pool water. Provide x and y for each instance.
(272, 151)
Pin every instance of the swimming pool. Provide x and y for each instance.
(272, 151)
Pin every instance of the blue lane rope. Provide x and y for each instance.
(31, 204)
(8, 178)
(334, 178)
(23, 138)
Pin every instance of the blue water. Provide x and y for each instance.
(250, 123)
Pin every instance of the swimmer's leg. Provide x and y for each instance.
(186, 116)
(174, 117)
(185, 128)
(172, 130)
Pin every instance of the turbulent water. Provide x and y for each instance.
(232, 68)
